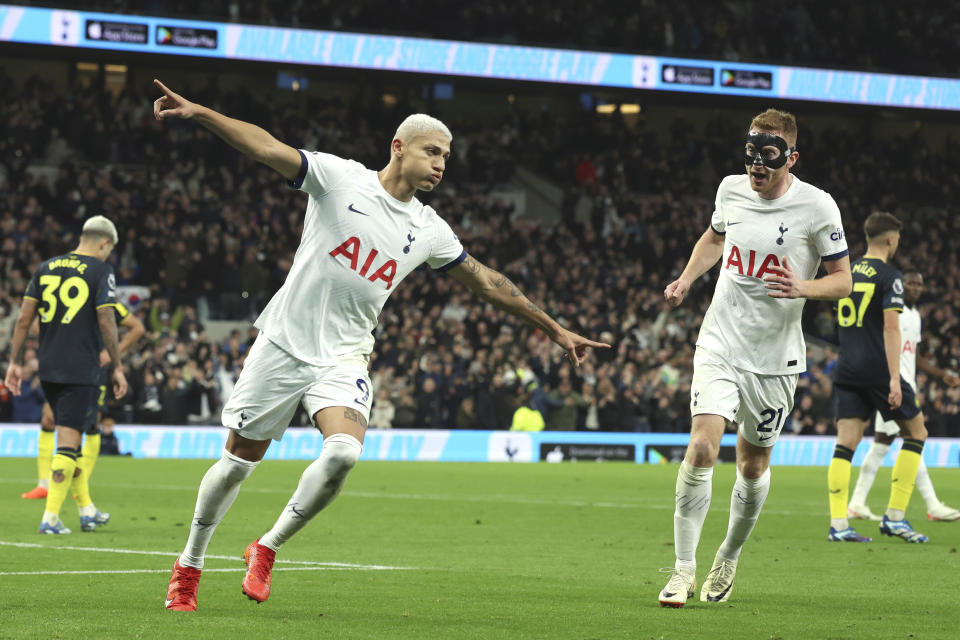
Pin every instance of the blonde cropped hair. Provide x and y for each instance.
(420, 124)
(100, 226)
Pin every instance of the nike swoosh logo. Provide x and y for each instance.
(719, 596)
(730, 224)
(669, 595)
(357, 210)
(835, 490)
(168, 602)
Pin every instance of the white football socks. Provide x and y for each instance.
(218, 490)
(868, 472)
(925, 486)
(746, 501)
(694, 489)
(319, 485)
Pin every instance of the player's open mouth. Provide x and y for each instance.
(758, 177)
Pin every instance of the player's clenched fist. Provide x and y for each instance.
(676, 291)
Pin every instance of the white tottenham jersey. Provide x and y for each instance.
(358, 243)
(910, 325)
(752, 330)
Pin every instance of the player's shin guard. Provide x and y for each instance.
(693, 493)
(89, 453)
(904, 476)
(218, 490)
(62, 468)
(868, 472)
(838, 482)
(319, 485)
(746, 501)
(46, 443)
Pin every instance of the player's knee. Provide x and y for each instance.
(751, 468)
(341, 452)
(915, 428)
(918, 432)
(701, 452)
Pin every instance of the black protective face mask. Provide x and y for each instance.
(767, 158)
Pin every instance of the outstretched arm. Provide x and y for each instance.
(247, 138)
(706, 252)
(497, 289)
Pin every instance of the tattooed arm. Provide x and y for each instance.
(497, 289)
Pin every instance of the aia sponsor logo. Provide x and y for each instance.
(753, 267)
(351, 250)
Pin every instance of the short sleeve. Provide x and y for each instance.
(121, 311)
(718, 221)
(106, 291)
(33, 287)
(319, 172)
(893, 292)
(447, 252)
(828, 231)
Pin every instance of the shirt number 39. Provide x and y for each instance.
(73, 293)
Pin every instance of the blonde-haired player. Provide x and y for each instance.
(364, 231)
(770, 231)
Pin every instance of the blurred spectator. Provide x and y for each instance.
(429, 405)
(28, 406)
(565, 404)
(526, 417)
(382, 412)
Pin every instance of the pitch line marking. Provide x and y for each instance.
(812, 507)
(310, 564)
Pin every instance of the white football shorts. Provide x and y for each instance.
(273, 382)
(760, 404)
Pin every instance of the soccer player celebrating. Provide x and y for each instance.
(363, 233)
(887, 430)
(74, 295)
(770, 231)
(868, 379)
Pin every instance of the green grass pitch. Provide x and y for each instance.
(443, 550)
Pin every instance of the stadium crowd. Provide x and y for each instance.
(918, 38)
(212, 236)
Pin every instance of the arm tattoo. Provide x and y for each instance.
(472, 265)
(502, 281)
